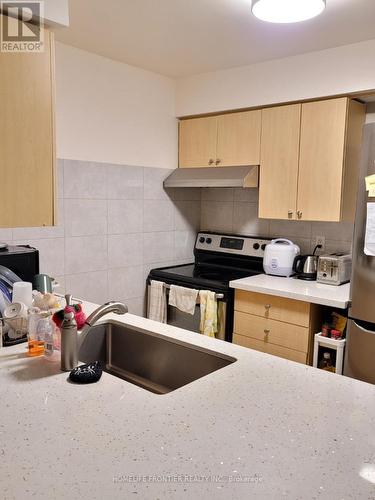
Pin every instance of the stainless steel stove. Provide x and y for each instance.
(219, 259)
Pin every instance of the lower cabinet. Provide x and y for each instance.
(275, 325)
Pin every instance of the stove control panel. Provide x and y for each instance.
(240, 245)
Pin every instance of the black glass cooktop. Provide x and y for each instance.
(200, 276)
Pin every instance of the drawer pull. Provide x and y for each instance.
(268, 306)
(267, 331)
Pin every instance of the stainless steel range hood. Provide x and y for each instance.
(243, 177)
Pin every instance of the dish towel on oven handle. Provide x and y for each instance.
(185, 299)
(208, 323)
(157, 302)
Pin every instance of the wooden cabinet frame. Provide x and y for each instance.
(319, 183)
(27, 137)
(276, 325)
(227, 140)
(308, 154)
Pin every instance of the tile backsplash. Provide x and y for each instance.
(115, 222)
(236, 211)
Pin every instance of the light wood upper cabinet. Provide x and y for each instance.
(198, 138)
(27, 152)
(226, 140)
(308, 155)
(279, 162)
(326, 171)
(238, 139)
(309, 160)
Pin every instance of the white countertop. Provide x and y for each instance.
(292, 288)
(291, 431)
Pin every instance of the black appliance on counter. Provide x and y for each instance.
(306, 266)
(23, 260)
(219, 259)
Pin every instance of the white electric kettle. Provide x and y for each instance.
(279, 256)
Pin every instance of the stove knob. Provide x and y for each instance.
(256, 246)
(209, 241)
(202, 239)
(264, 246)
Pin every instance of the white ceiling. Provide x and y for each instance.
(185, 37)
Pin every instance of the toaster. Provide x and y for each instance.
(334, 269)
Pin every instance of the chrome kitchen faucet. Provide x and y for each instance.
(71, 339)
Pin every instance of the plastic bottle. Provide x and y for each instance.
(51, 351)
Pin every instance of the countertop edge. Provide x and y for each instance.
(312, 299)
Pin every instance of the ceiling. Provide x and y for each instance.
(179, 38)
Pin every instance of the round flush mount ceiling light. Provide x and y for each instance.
(287, 11)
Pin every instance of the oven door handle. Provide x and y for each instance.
(218, 296)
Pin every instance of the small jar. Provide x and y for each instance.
(336, 334)
(326, 330)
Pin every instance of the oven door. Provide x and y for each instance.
(175, 317)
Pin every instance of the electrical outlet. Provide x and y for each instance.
(321, 240)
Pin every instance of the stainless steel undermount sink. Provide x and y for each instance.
(157, 363)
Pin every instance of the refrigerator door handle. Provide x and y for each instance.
(363, 328)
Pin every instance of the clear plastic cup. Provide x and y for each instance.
(35, 334)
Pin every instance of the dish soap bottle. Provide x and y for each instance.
(69, 340)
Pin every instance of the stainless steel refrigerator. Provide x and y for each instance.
(360, 347)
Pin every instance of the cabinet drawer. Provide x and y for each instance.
(275, 350)
(271, 331)
(291, 311)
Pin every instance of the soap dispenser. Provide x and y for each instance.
(69, 340)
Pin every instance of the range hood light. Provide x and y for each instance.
(287, 11)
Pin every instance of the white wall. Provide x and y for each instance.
(111, 112)
(56, 12)
(344, 69)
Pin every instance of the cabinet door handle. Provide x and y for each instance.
(290, 214)
(211, 161)
(266, 331)
(268, 306)
(218, 161)
(299, 214)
